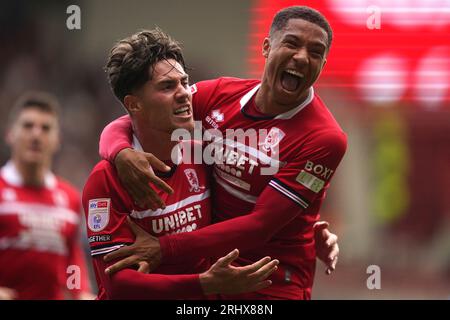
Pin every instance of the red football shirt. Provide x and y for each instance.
(107, 205)
(39, 237)
(268, 192)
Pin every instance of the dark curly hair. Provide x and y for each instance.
(130, 59)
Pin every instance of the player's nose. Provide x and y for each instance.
(183, 92)
(301, 56)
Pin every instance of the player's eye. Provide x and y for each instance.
(167, 86)
(27, 125)
(316, 52)
(290, 44)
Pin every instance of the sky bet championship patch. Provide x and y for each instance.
(98, 216)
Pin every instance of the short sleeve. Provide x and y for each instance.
(105, 214)
(116, 136)
(308, 175)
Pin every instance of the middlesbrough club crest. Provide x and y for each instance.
(272, 140)
(192, 178)
(217, 115)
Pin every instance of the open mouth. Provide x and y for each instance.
(182, 111)
(291, 79)
(34, 151)
(35, 147)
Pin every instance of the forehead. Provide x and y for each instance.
(304, 30)
(36, 115)
(167, 69)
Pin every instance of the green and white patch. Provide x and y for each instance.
(310, 181)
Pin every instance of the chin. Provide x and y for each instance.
(286, 98)
(189, 126)
(33, 160)
(293, 98)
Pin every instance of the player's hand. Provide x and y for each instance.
(145, 252)
(7, 293)
(135, 172)
(224, 278)
(327, 248)
(86, 296)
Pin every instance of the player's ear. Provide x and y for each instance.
(58, 138)
(266, 48)
(9, 134)
(8, 137)
(131, 103)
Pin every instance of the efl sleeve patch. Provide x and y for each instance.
(310, 181)
(98, 214)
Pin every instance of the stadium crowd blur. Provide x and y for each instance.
(389, 201)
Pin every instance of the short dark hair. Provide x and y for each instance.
(130, 58)
(43, 101)
(301, 12)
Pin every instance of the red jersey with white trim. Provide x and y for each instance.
(39, 237)
(107, 206)
(295, 153)
(270, 180)
(288, 155)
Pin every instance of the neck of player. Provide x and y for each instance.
(267, 102)
(33, 174)
(156, 142)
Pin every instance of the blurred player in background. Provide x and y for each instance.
(39, 212)
(146, 72)
(260, 214)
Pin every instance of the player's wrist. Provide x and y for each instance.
(207, 283)
(123, 154)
